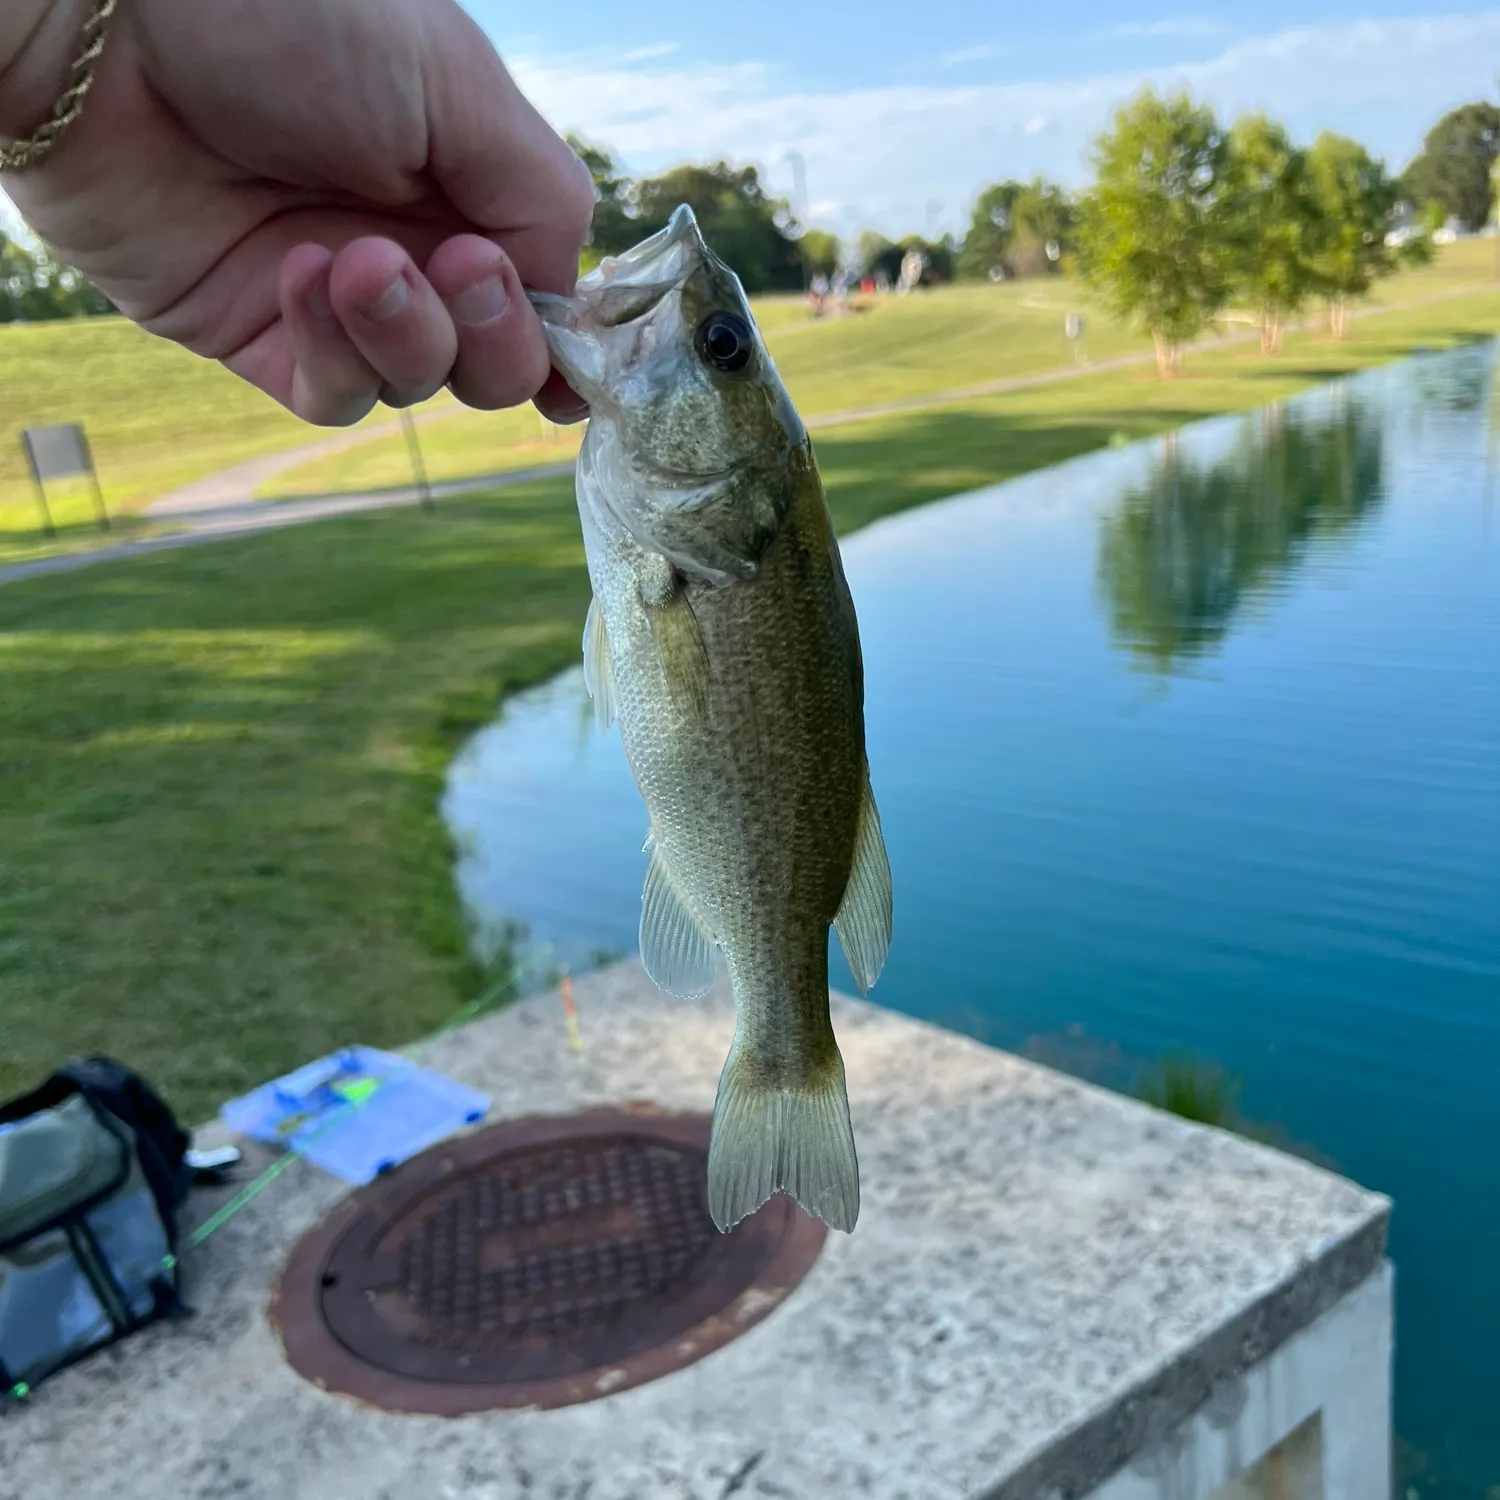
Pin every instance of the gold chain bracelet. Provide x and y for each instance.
(19, 155)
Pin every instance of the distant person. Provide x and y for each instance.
(341, 200)
(819, 293)
(841, 287)
(913, 263)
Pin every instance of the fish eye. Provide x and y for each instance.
(725, 342)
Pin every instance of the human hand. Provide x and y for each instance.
(341, 200)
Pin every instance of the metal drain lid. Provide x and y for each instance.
(540, 1262)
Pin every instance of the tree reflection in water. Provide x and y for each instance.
(1188, 552)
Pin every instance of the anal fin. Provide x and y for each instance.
(677, 952)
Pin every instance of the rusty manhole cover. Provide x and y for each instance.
(540, 1262)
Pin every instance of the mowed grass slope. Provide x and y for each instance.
(156, 416)
(159, 417)
(908, 348)
(220, 850)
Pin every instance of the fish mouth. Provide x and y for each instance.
(624, 287)
(620, 290)
(666, 257)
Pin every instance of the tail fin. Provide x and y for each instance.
(768, 1139)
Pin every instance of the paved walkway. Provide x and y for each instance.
(241, 518)
(240, 485)
(224, 505)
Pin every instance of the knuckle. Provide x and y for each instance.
(576, 199)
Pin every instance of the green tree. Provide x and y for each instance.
(1277, 215)
(877, 255)
(1042, 228)
(1453, 168)
(35, 287)
(1154, 233)
(990, 227)
(1011, 227)
(1355, 198)
(614, 228)
(17, 279)
(942, 255)
(821, 250)
(742, 223)
(874, 253)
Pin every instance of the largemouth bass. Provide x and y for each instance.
(722, 638)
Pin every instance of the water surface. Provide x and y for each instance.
(1190, 747)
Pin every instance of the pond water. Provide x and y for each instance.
(1189, 747)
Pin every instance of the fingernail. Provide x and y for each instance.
(390, 302)
(484, 302)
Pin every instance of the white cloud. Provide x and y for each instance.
(655, 50)
(877, 156)
(1171, 27)
(884, 152)
(966, 55)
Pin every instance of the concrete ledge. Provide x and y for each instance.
(1049, 1285)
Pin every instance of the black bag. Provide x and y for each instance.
(160, 1142)
(93, 1167)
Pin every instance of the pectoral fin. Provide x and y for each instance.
(863, 922)
(597, 675)
(677, 953)
(674, 629)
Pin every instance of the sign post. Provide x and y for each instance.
(1073, 328)
(61, 451)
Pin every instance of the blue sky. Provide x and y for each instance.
(898, 107)
(903, 111)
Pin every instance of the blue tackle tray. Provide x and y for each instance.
(356, 1113)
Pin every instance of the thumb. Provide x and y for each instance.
(498, 161)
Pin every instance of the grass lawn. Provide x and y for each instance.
(219, 851)
(905, 348)
(219, 847)
(456, 445)
(158, 417)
